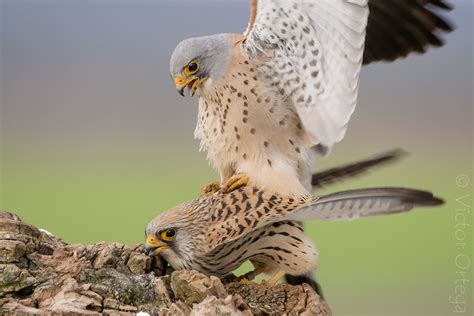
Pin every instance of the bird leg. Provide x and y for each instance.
(235, 182)
(275, 277)
(249, 276)
(254, 273)
(211, 188)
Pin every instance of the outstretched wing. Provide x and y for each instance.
(323, 86)
(238, 213)
(397, 28)
(312, 51)
(353, 204)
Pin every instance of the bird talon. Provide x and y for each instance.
(244, 281)
(235, 182)
(211, 188)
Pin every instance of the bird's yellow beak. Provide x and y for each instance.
(191, 82)
(153, 246)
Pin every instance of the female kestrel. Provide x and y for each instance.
(215, 234)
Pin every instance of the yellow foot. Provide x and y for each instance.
(245, 281)
(235, 182)
(211, 188)
(275, 278)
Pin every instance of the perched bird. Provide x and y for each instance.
(215, 234)
(270, 98)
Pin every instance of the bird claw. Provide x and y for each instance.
(235, 182)
(211, 188)
(245, 281)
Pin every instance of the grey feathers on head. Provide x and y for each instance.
(212, 52)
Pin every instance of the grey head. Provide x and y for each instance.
(197, 60)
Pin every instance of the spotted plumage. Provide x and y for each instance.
(241, 129)
(289, 85)
(216, 233)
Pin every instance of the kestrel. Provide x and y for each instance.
(215, 234)
(270, 98)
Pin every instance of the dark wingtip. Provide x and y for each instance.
(436, 201)
(396, 153)
(442, 4)
(334, 175)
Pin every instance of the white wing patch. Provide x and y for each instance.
(312, 53)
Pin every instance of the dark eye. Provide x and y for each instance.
(168, 234)
(193, 67)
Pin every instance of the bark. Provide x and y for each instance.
(40, 273)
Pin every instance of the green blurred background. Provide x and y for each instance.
(95, 142)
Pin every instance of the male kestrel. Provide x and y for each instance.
(215, 234)
(269, 98)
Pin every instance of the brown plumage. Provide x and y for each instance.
(215, 234)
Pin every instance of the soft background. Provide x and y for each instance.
(95, 141)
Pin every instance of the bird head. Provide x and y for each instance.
(199, 60)
(175, 235)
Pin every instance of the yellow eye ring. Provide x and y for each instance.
(168, 234)
(191, 68)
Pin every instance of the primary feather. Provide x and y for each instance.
(353, 204)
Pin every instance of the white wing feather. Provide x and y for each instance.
(312, 52)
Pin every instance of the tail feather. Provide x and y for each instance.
(353, 204)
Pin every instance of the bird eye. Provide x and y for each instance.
(192, 68)
(168, 234)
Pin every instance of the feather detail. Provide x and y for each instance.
(353, 204)
(238, 213)
(397, 28)
(334, 175)
(313, 55)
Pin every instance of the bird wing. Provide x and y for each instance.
(311, 51)
(397, 28)
(316, 49)
(253, 16)
(353, 204)
(242, 211)
(336, 175)
(246, 210)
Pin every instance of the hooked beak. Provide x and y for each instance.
(153, 246)
(192, 83)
